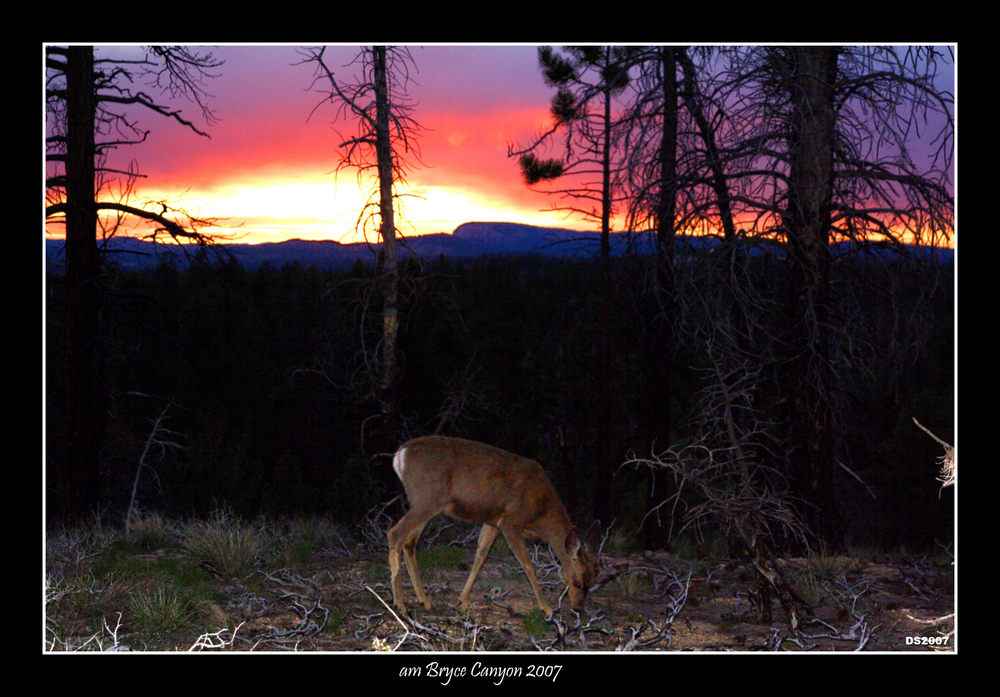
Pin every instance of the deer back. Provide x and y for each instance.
(474, 481)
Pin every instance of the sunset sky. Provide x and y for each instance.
(268, 168)
(270, 171)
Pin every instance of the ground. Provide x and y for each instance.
(310, 585)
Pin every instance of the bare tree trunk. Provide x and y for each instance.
(661, 351)
(85, 405)
(389, 387)
(813, 71)
(719, 184)
(729, 258)
(605, 468)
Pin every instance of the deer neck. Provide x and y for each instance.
(556, 530)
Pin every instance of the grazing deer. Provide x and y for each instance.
(478, 483)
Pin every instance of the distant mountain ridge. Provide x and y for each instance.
(469, 240)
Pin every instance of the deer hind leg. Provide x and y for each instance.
(399, 534)
(516, 544)
(486, 537)
(410, 555)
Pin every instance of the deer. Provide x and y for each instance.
(477, 483)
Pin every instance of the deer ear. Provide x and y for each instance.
(572, 543)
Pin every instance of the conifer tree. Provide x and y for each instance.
(91, 103)
(587, 79)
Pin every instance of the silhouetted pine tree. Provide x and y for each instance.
(85, 98)
(587, 78)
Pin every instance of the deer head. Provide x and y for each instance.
(580, 569)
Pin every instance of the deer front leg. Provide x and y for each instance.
(516, 544)
(486, 537)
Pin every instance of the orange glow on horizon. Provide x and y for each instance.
(267, 172)
(316, 207)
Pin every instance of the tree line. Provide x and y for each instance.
(267, 372)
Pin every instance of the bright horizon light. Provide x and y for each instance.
(319, 206)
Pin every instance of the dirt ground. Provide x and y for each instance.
(895, 600)
(329, 599)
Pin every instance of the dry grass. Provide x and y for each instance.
(150, 531)
(160, 612)
(302, 540)
(225, 544)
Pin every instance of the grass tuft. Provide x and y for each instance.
(228, 545)
(828, 567)
(161, 611)
(302, 540)
(149, 532)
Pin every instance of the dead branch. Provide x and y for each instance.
(861, 631)
(948, 463)
(215, 640)
(375, 526)
(674, 590)
(159, 437)
(305, 600)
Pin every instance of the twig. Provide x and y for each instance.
(406, 630)
(949, 466)
(214, 640)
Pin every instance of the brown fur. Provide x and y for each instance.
(478, 483)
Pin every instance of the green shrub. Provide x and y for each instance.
(300, 552)
(534, 623)
(335, 622)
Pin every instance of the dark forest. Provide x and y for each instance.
(265, 372)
